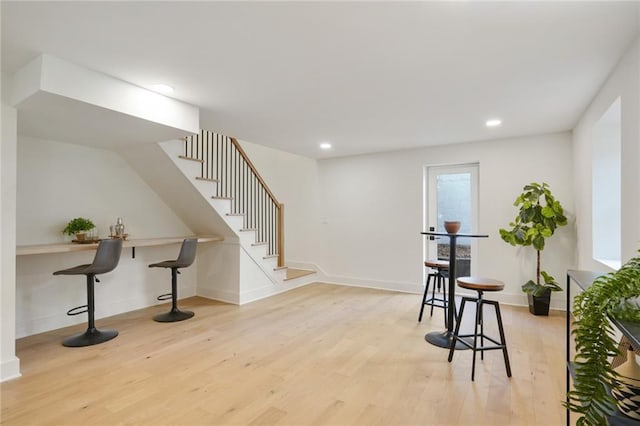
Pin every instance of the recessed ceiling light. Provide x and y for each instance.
(325, 145)
(162, 88)
(494, 122)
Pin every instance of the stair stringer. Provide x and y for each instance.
(257, 275)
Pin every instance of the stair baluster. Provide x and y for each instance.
(224, 159)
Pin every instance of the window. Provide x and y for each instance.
(605, 188)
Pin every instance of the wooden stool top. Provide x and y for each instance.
(440, 264)
(480, 284)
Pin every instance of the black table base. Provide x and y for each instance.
(443, 340)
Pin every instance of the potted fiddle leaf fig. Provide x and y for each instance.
(78, 227)
(539, 215)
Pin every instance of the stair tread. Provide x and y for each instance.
(207, 179)
(184, 157)
(260, 243)
(248, 229)
(297, 273)
(215, 197)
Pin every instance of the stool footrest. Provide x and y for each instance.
(460, 338)
(438, 303)
(166, 296)
(75, 311)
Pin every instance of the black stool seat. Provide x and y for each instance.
(106, 259)
(185, 258)
(438, 267)
(480, 285)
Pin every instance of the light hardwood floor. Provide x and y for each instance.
(318, 355)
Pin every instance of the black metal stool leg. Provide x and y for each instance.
(456, 332)
(433, 291)
(445, 301)
(475, 336)
(481, 308)
(424, 297)
(175, 314)
(503, 341)
(92, 336)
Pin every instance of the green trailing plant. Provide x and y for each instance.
(79, 224)
(539, 215)
(610, 296)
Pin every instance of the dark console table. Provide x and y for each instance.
(631, 330)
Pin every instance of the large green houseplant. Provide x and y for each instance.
(612, 295)
(539, 215)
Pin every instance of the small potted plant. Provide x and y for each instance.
(78, 227)
(538, 217)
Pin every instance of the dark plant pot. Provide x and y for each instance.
(540, 305)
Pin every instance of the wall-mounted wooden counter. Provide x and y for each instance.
(71, 247)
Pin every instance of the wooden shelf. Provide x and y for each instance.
(72, 247)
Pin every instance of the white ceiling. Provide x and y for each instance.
(367, 76)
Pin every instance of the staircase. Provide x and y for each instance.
(210, 183)
(233, 176)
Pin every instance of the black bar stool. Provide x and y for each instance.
(480, 285)
(437, 267)
(106, 260)
(185, 258)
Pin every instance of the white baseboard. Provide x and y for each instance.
(220, 295)
(10, 369)
(268, 291)
(558, 300)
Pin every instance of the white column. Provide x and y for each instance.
(9, 363)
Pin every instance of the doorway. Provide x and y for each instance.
(451, 193)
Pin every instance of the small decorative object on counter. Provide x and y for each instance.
(119, 230)
(452, 226)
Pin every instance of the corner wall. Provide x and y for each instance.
(624, 81)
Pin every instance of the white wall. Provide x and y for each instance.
(293, 179)
(624, 82)
(372, 206)
(59, 181)
(42, 299)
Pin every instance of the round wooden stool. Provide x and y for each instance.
(437, 268)
(480, 285)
